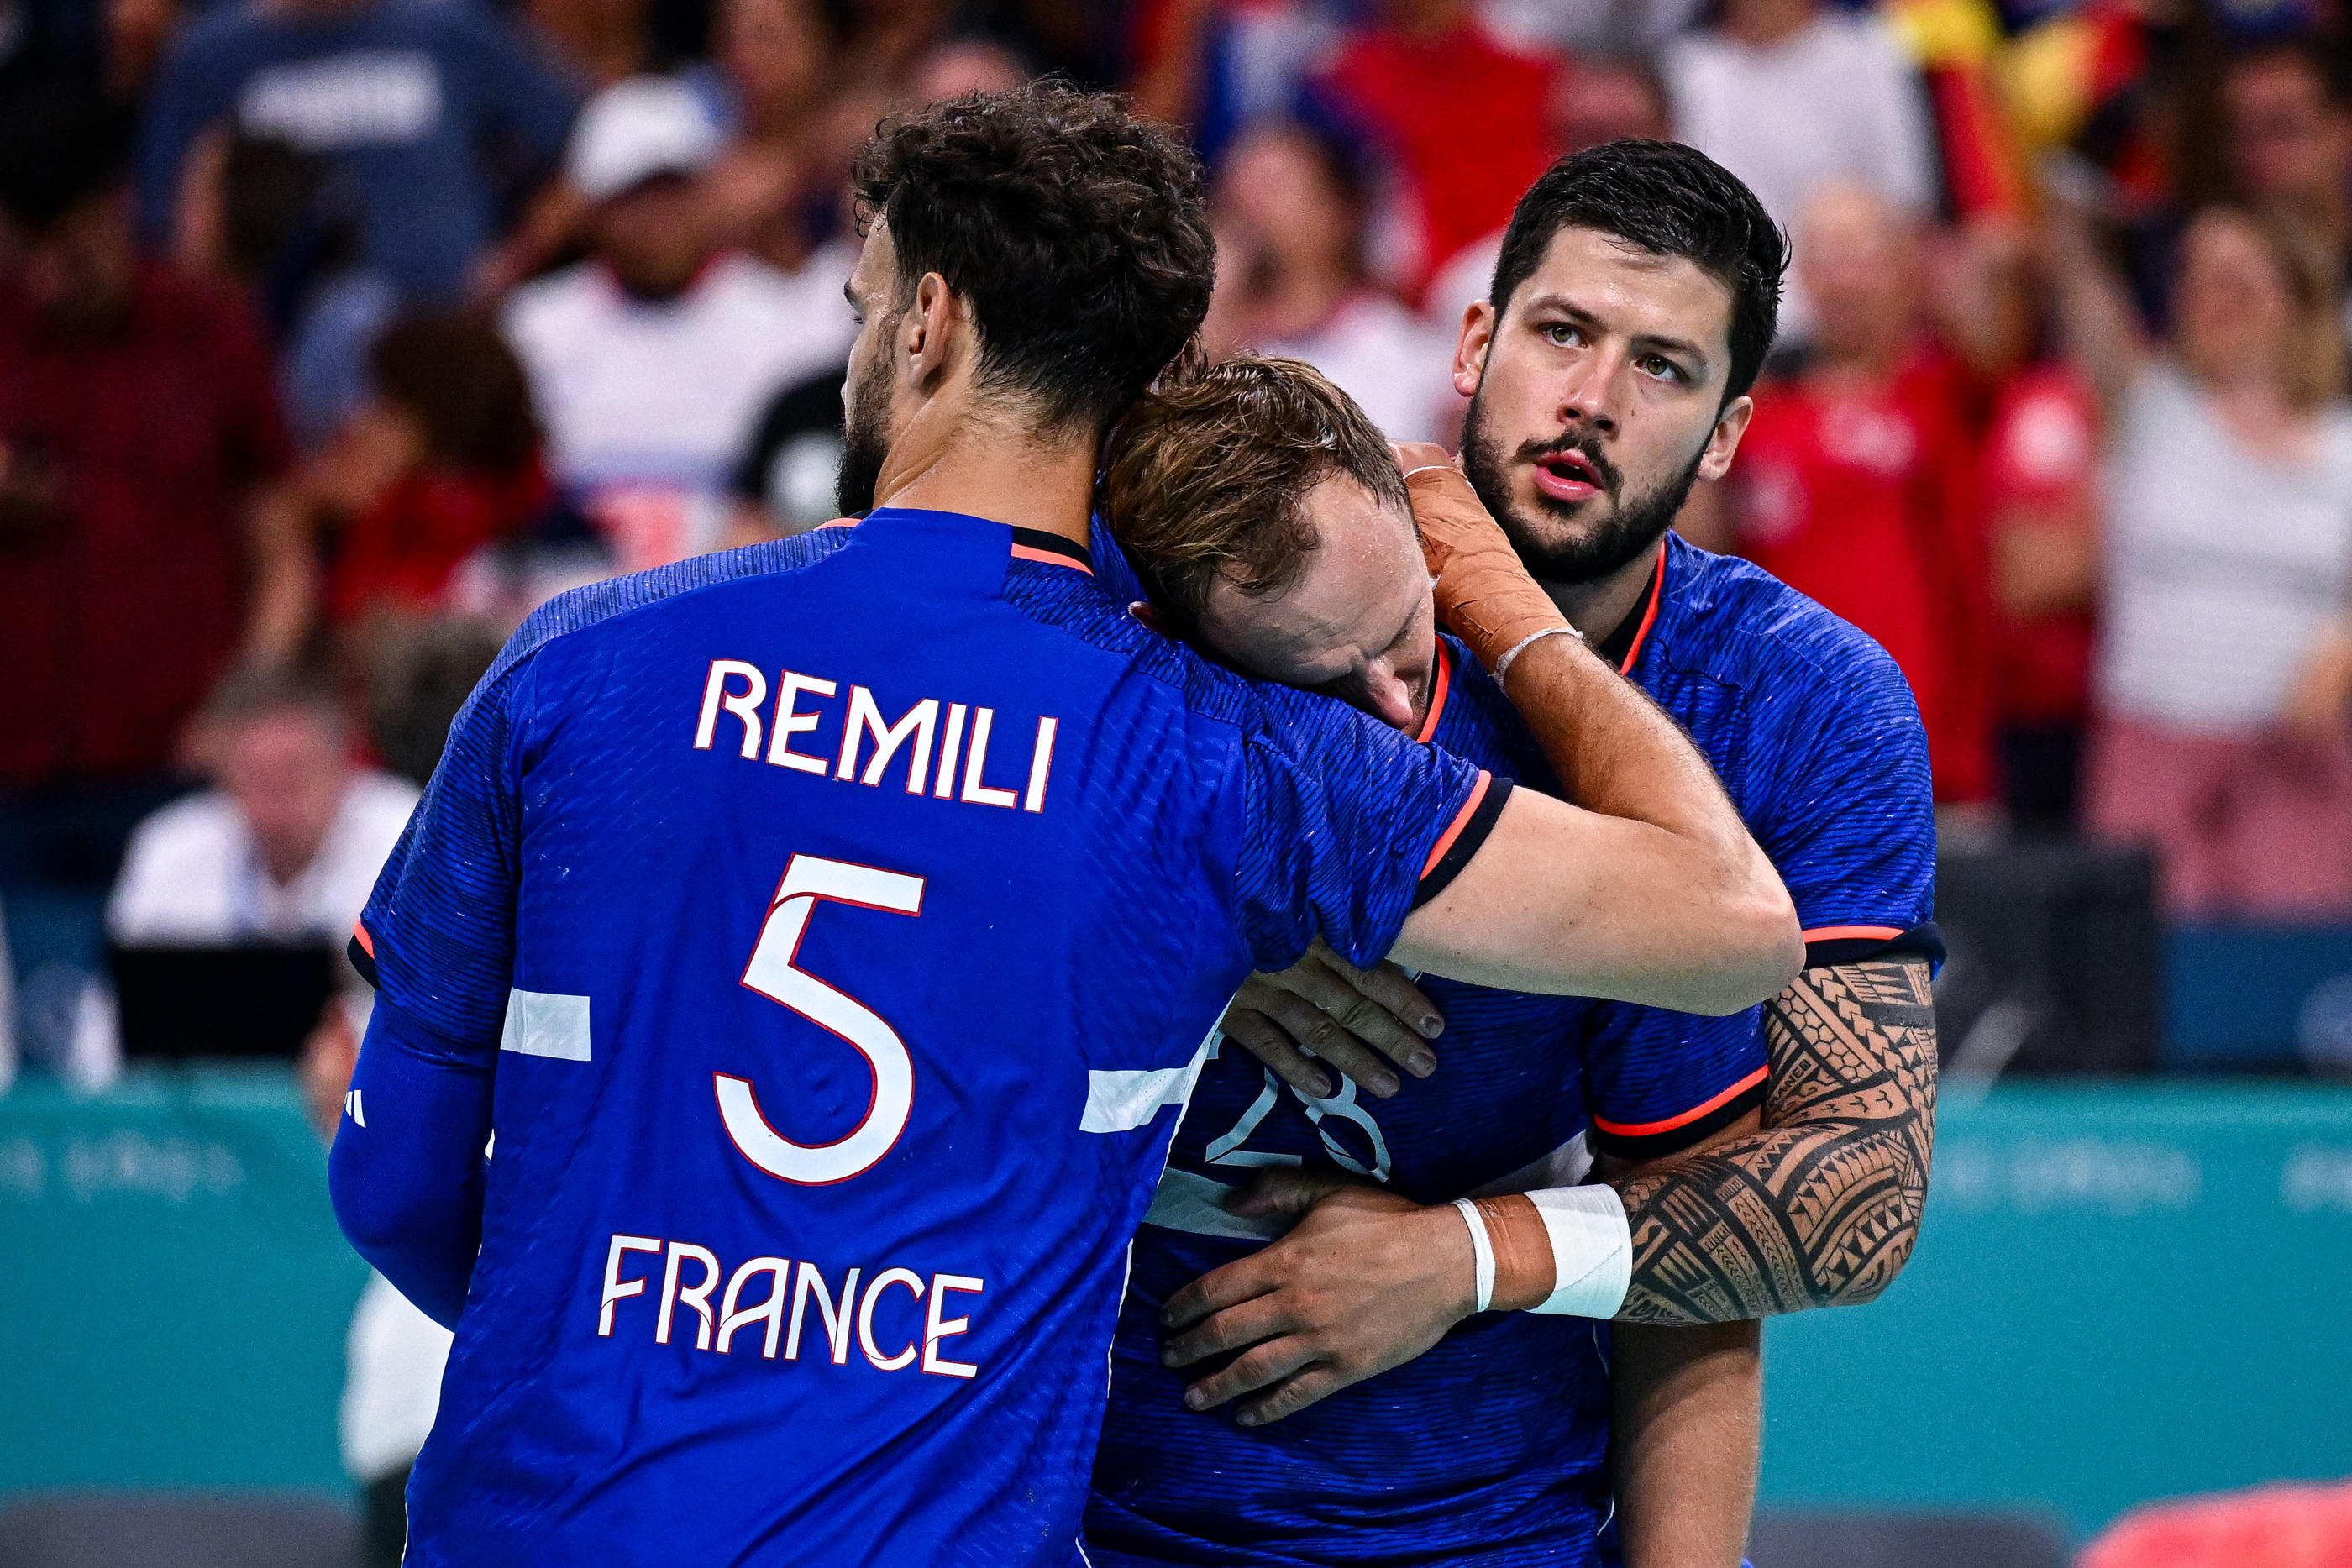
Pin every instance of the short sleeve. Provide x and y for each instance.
(1849, 820)
(1346, 826)
(438, 937)
(1659, 1081)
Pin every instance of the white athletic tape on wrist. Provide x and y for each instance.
(1482, 1249)
(1503, 664)
(1591, 1251)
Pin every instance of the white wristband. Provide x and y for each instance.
(1591, 1251)
(1482, 1251)
(1503, 664)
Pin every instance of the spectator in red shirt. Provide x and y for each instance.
(444, 459)
(1856, 483)
(1461, 117)
(145, 540)
(2041, 510)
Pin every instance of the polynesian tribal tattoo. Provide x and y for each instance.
(1821, 1206)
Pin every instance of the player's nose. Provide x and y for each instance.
(1388, 696)
(1589, 395)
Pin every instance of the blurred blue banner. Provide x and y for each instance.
(2122, 1291)
(175, 1293)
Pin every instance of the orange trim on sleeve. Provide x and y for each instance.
(1649, 617)
(1461, 820)
(1651, 1129)
(1048, 558)
(837, 523)
(1853, 934)
(1438, 696)
(367, 943)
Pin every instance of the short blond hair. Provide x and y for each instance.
(1207, 475)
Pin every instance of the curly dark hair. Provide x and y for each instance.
(1668, 199)
(1075, 233)
(1209, 475)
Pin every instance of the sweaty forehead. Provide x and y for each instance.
(1353, 598)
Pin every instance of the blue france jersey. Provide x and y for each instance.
(843, 918)
(1490, 1449)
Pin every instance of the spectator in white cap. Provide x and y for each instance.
(650, 360)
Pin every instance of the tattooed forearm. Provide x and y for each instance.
(1821, 1207)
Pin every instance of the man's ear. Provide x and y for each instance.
(928, 333)
(1470, 349)
(1144, 610)
(1723, 444)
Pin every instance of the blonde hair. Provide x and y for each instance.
(1207, 474)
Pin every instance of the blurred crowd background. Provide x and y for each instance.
(335, 335)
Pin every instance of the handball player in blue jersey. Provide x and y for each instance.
(790, 982)
(1633, 304)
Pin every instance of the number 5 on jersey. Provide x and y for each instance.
(771, 973)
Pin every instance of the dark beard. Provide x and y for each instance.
(864, 448)
(1634, 524)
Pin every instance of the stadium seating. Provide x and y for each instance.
(163, 1531)
(1839, 1540)
(2054, 953)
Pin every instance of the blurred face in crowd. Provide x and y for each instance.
(2234, 309)
(1855, 261)
(285, 769)
(1997, 269)
(1357, 625)
(2286, 140)
(1760, 23)
(1278, 195)
(378, 443)
(1596, 402)
(81, 268)
(776, 53)
(1596, 103)
(655, 237)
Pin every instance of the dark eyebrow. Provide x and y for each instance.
(1648, 342)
